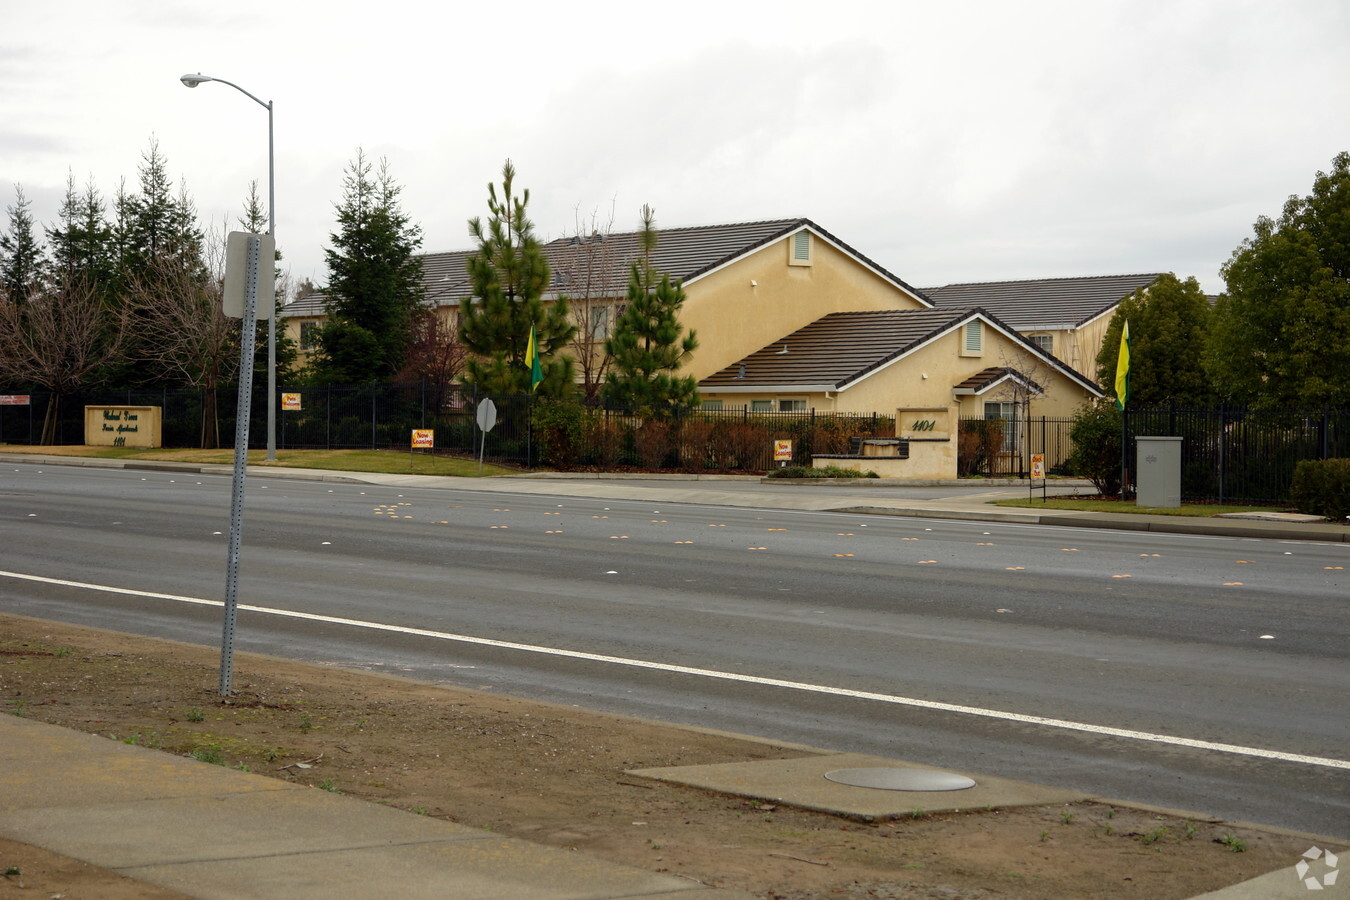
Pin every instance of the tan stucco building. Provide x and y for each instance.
(790, 318)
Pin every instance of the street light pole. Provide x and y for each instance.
(192, 81)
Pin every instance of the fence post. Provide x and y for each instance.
(1222, 421)
(373, 392)
(1326, 427)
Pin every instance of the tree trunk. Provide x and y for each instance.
(210, 434)
(50, 420)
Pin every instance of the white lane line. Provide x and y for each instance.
(1064, 724)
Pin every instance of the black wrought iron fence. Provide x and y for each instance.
(1228, 453)
(1235, 454)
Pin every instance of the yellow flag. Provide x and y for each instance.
(1123, 368)
(532, 360)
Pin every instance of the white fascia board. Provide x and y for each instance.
(1109, 311)
(787, 234)
(1011, 335)
(969, 392)
(768, 389)
(1042, 356)
(912, 350)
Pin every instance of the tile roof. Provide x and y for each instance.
(685, 253)
(992, 377)
(836, 349)
(839, 349)
(1043, 302)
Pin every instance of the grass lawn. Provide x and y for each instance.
(1116, 506)
(388, 462)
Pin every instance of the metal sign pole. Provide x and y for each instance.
(243, 410)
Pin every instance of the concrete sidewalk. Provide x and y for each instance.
(208, 831)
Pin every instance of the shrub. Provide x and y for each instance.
(1095, 434)
(978, 444)
(1322, 488)
(651, 442)
(827, 472)
(559, 427)
(694, 436)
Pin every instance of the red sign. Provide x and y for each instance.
(424, 437)
(13, 399)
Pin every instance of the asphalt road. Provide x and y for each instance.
(857, 633)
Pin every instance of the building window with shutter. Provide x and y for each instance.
(799, 249)
(972, 339)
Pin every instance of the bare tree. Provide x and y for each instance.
(435, 355)
(60, 340)
(586, 274)
(187, 332)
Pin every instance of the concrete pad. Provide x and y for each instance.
(265, 823)
(471, 870)
(1284, 884)
(44, 766)
(802, 783)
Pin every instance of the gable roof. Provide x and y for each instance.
(987, 379)
(838, 350)
(686, 254)
(1051, 303)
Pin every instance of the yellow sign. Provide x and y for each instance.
(423, 438)
(290, 401)
(1037, 466)
(782, 451)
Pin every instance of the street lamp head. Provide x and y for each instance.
(194, 80)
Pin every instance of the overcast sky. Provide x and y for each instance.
(949, 142)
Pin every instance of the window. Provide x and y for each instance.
(599, 322)
(1007, 413)
(792, 406)
(799, 249)
(309, 335)
(972, 344)
(1045, 341)
(761, 406)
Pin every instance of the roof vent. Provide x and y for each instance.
(741, 373)
(784, 350)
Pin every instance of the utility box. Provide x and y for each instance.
(1158, 471)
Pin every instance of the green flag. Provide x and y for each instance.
(1123, 368)
(532, 359)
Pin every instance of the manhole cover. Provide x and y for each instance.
(901, 779)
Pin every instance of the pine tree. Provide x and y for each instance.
(21, 256)
(374, 280)
(255, 221)
(647, 345)
(82, 241)
(508, 276)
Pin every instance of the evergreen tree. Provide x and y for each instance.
(374, 280)
(1279, 336)
(255, 221)
(647, 346)
(508, 276)
(82, 241)
(1169, 324)
(21, 256)
(158, 230)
